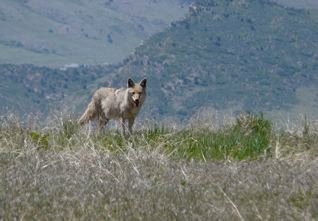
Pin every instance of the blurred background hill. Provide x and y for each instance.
(255, 56)
(55, 33)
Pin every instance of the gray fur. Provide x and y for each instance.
(111, 103)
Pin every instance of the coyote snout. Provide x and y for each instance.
(136, 98)
(111, 103)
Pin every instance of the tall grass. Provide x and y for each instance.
(248, 138)
(243, 171)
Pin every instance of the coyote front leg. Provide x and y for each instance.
(130, 124)
(123, 122)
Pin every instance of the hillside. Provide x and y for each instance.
(226, 55)
(29, 89)
(252, 56)
(308, 4)
(55, 33)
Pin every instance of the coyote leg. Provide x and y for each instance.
(102, 123)
(130, 124)
(123, 122)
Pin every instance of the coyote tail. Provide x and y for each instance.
(89, 114)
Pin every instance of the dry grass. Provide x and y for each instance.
(59, 173)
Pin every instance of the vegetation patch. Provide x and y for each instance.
(232, 173)
(248, 138)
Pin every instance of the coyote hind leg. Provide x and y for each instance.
(102, 123)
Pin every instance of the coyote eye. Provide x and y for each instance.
(132, 93)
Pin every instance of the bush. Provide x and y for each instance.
(247, 139)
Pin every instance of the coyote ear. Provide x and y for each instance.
(143, 83)
(131, 83)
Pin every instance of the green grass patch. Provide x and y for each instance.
(42, 140)
(248, 138)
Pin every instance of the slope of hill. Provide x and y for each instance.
(250, 55)
(244, 55)
(308, 4)
(55, 33)
(26, 89)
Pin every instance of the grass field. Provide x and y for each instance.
(245, 170)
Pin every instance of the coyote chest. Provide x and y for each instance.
(116, 103)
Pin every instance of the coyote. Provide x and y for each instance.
(111, 103)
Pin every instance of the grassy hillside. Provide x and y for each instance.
(26, 89)
(59, 172)
(251, 55)
(225, 55)
(61, 32)
(308, 4)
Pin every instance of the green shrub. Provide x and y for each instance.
(248, 138)
(42, 140)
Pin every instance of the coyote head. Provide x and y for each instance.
(137, 92)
